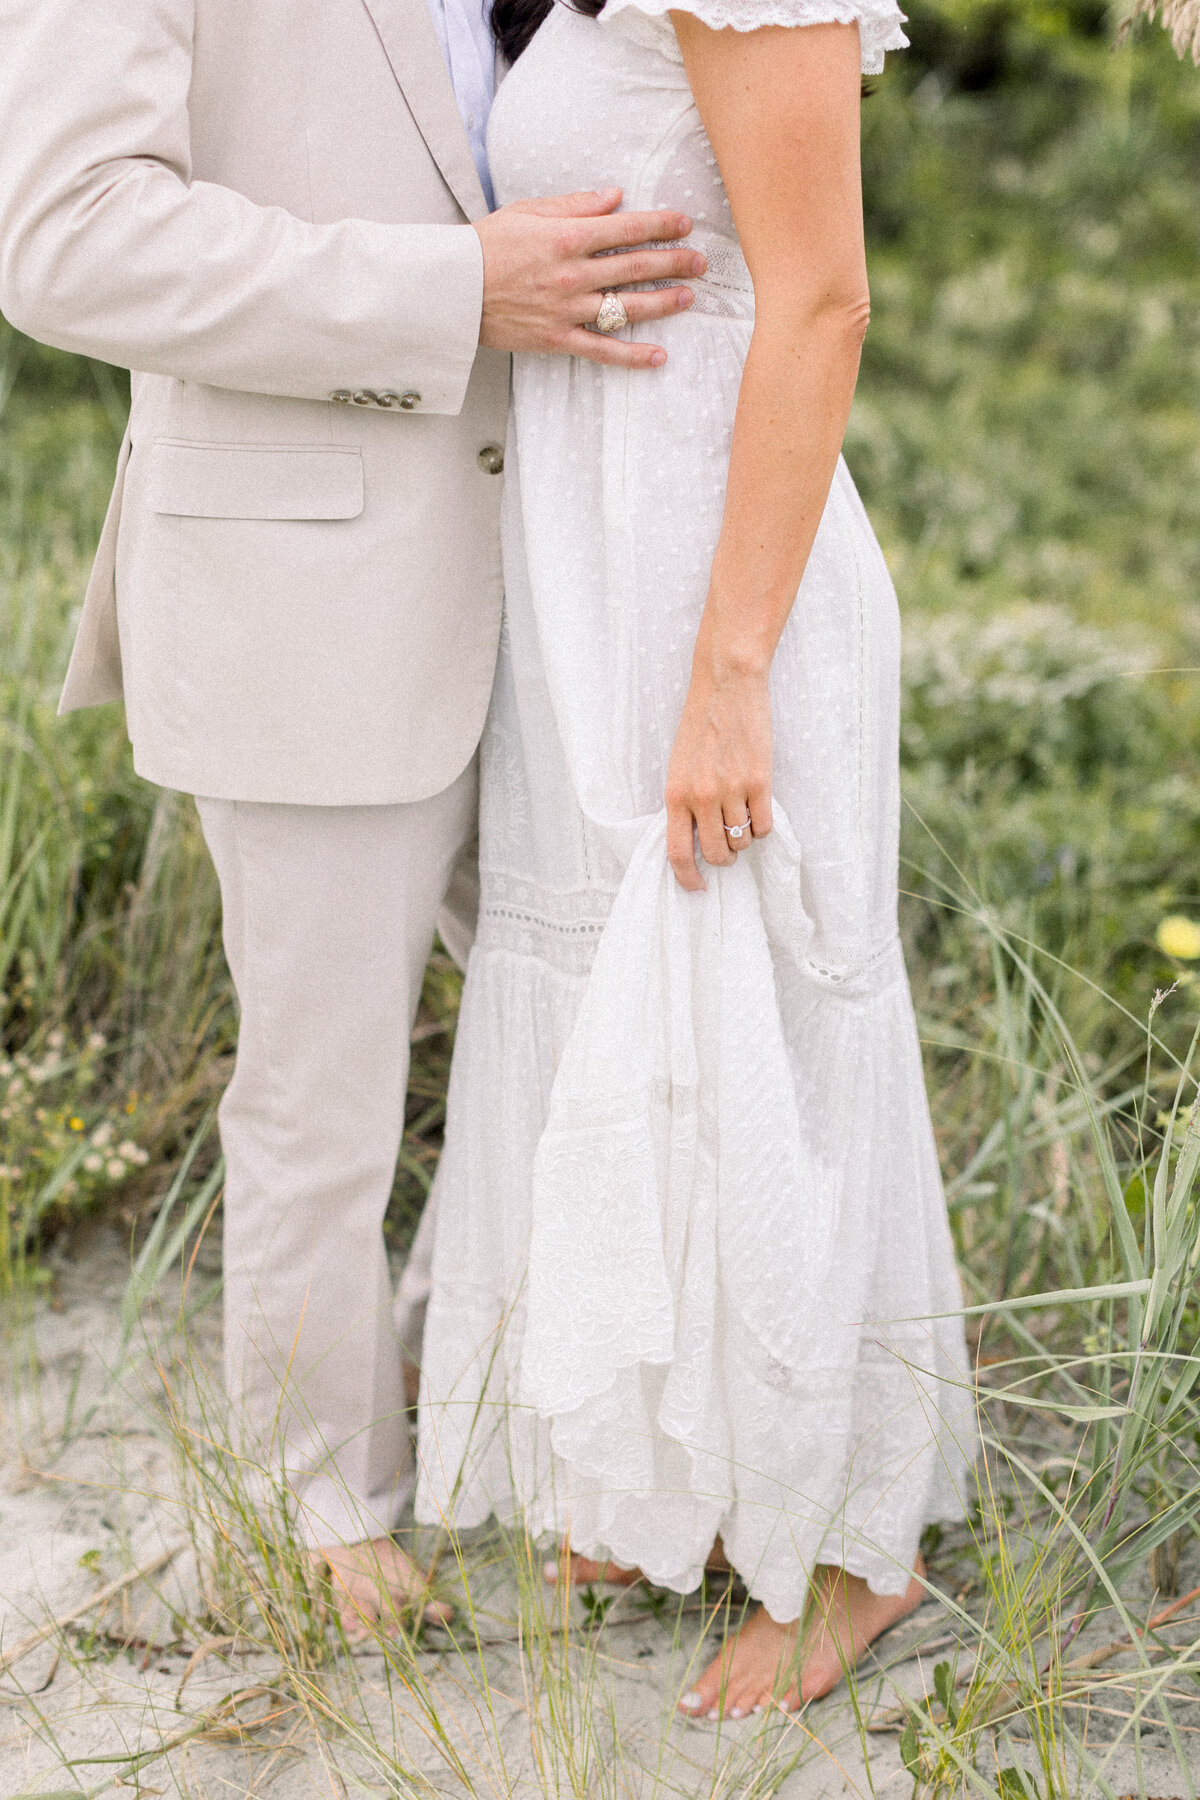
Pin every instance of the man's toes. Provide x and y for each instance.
(355, 1623)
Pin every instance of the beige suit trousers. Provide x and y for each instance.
(329, 916)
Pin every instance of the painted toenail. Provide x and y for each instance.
(737, 1712)
(757, 1708)
(691, 1701)
(550, 1571)
(714, 1714)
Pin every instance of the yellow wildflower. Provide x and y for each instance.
(1179, 937)
(77, 1124)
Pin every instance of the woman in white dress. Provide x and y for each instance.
(694, 1291)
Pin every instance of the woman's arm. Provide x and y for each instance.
(780, 106)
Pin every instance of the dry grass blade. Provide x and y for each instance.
(199, 1655)
(100, 1598)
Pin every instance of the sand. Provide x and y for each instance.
(133, 1695)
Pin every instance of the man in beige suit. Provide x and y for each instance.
(274, 213)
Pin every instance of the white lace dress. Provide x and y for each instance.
(692, 1270)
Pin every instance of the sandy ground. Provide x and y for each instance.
(134, 1696)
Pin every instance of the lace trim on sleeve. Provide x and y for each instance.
(879, 21)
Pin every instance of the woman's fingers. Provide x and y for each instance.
(714, 845)
(681, 849)
(739, 830)
(759, 803)
(687, 822)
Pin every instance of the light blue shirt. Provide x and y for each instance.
(464, 30)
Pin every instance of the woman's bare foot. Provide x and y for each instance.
(374, 1586)
(757, 1666)
(582, 1571)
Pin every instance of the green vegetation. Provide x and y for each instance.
(1027, 440)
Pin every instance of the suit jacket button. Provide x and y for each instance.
(365, 397)
(410, 402)
(491, 459)
(342, 394)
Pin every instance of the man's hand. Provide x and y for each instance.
(544, 273)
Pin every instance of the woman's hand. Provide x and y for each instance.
(720, 769)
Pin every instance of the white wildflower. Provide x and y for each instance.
(116, 1170)
(103, 1134)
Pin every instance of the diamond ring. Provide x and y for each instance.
(737, 832)
(612, 315)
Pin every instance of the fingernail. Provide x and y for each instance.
(658, 359)
(685, 225)
(690, 1701)
(699, 264)
(686, 299)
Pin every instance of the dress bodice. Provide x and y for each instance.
(598, 103)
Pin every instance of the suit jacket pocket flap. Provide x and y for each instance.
(254, 481)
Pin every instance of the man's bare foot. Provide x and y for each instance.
(373, 1586)
(757, 1666)
(582, 1571)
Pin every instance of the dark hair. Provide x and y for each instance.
(515, 21)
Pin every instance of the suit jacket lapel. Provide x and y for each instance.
(406, 32)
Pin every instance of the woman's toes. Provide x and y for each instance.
(739, 1700)
(703, 1702)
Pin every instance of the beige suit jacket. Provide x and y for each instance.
(260, 207)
